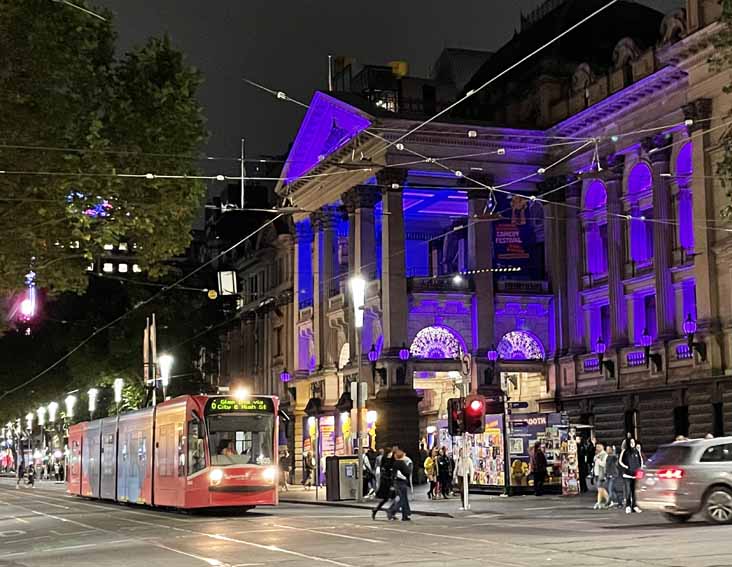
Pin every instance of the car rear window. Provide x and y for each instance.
(670, 455)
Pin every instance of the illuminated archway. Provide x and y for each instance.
(437, 341)
(520, 345)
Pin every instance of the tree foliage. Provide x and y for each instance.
(73, 114)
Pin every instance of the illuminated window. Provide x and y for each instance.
(90, 268)
(122, 268)
(74, 244)
(108, 267)
(136, 268)
(596, 228)
(109, 246)
(123, 247)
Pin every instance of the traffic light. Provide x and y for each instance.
(455, 417)
(474, 420)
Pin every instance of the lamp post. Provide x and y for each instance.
(29, 427)
(118, 386)
(600, 349)
(646, 341)
(70, 402)
(404, 357)
(358, 298)
(285, 376)
(92, 393)
(373, 357)
(492, 355)
(41, 413)
(690, 331)
(165, 363)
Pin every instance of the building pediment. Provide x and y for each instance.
(328, 126)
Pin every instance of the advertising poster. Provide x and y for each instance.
(519, 235)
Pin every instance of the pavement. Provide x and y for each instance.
(43, 526)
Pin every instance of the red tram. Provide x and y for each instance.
(188, 452)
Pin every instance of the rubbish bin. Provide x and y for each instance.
(340, 478)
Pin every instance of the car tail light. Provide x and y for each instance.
(671, 473)
(639, 474)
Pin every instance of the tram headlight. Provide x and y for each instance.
(269, 474)
(216, 476)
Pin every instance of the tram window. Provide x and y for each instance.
(241, 439)
(196, 456)
(181, 454)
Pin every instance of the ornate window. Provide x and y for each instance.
(520, 345)
(595, 226)
(640, 184)
(436, 342)
(684, 205)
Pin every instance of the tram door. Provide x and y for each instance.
(108, 482)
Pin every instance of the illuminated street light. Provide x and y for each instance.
(358, 295)
(165, 363)
(118, 385)
(41, 412)
(52, 409)
(70, 402)
(29, 421)
(92, 393)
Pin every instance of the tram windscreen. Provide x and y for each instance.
(241, 439)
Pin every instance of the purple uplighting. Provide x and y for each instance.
(328, 125)
(436, 342)
(684, 169)
(520, 345)
(596, 196)
(640, 179)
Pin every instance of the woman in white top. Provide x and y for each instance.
(598, 471)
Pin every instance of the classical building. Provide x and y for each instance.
(566, 219)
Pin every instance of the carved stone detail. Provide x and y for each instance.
(698, 110)
(361, 197)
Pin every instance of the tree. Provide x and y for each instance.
(721, 61)
(95, 116)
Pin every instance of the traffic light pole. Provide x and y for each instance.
(465, 391)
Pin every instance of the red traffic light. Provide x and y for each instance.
(476, 405)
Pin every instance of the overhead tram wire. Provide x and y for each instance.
(138, 306)
(473, 92)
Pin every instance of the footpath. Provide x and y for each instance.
(447, 508)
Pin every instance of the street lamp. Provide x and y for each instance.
(600, 348)
(401, 376)
(646, 341)
(690, 330)
(285, 376)
(52, 409)
(358, 298)
(92, 393)
(118, 386)
(165, 363)
(29, 421)
(41, 413)
(70, 402)
(492, 355)
(373, 357)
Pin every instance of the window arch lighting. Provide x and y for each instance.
(596, 196)
(436, 342)
(520, 345)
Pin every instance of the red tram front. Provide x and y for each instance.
(188, 452)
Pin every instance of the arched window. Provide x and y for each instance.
(520, 345)
(640, 182)
(684, 203)
(596, 228)
(437, 341)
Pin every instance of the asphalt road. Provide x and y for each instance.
(44, 527)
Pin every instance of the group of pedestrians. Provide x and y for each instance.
(613, 474)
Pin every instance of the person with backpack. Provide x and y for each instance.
(630, 462)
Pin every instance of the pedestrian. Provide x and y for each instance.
(430, 469)
(584, 457)
(443, 472)
(630, 462)
(385, 492)
(611, 474)
(56, 471)
(309, 464)
(401, 485)
(539, 467)
(284, 469)
(463, 467)
(19, 474)
(31, 476)
(379, 458)
(421, 458)
(599, 474)
(367, 475)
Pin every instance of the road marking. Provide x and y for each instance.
(539, 508)
(208, 560)
(344, 536)
(277, 549)
(22, 520)
(11, 533)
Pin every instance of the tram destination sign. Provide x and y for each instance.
(232, 405)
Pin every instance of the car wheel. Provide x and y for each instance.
(718, 505)
(677, 518)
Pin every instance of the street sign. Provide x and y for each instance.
(518, 405)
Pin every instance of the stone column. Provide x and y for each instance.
(302, 241)
(659, 155)
(480, 257)
(575, 258)
(324, 260)
(394, 306)
(616, 255)
(705, 272)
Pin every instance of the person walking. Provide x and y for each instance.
(538, 468)
(584, 458)
(309, 464)
(284, 469)
(443, 472)
(401, 485)
(599, 474)
(612, 473)
(630, 462)
(19, 474)
(463, 467)
(421, 458)
(31, 474)
(385, 492)
(367, 476)
(430, 469)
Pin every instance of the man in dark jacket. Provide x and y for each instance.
(401, 485)
(630, 462)
(444, 472)
(385, 492)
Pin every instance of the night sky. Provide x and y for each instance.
(285, 44)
